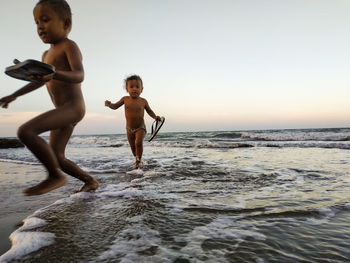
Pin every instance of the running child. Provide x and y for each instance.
(54, 21)
(134, 113)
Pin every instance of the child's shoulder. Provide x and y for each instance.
(70, 44)
(68, 41)
(143, 101)
(126, 99)
(138, 99)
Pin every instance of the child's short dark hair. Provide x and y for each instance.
(61, 7)
(132, 77)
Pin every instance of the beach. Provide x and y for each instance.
(233, 196)
(15, 207)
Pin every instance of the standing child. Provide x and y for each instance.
(134, 112)
(54, 21)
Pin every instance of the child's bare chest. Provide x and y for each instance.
(57, 58)
(135, 107)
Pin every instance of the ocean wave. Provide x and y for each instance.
(149, 221)
(25, 241)
(194, 139)
(99, 140)
(305, 144)
(277, 144)
(229, 135)
(18, 161)
(103, 165)
(101, 171)
(296, 136)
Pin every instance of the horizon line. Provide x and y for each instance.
(239, 130)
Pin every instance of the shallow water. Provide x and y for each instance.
(200, 198)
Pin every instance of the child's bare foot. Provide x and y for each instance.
(137, 163)
(88, 186)
(45, 186)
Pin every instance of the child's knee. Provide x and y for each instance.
(23, 133)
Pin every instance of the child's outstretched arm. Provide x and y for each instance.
(151, 113)
(5, 101)
(116, 105)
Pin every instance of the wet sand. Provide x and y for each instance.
(14, 205)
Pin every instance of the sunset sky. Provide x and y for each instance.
(205, 64)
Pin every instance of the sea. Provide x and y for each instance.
(257, 196)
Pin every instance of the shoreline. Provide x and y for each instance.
(201, 131)
(187, 204)
(15, 206)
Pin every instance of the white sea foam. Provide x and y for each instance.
(151, 173)
(223, 228)
(303, 144)
(32, 223)
(326, 211)
(131, 242)
(135, 219)
(176, 210)
(25, 242)
(294, 135)
(136, 172)
(100, 170)
(18, 161)
(98, 140)
(316, 221)
(81, 195)
(62, 201)
(139, 180)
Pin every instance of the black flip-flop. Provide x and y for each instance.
(30, 67)
(155, 128)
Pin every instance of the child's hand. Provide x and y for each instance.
(157, 118)
(107, 103)
(41, 79)
(5, 101)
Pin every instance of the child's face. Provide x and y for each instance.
(134, 88)
(51, 28)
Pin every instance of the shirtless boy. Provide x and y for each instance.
(134, 112)
(54, 21)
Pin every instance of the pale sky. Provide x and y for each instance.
(205, 64)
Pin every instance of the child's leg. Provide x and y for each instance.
(58, 141)
(131, 139)
(29, 135)
(139, 136)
